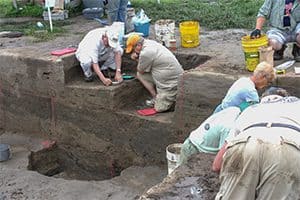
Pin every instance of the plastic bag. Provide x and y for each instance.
(266, 54)
(141, 18)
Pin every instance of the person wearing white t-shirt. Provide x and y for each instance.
(100, 46)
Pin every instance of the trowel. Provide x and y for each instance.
(280, 69)
(285, 65)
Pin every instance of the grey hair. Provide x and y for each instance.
(265, 69)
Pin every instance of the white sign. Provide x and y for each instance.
(49, 3)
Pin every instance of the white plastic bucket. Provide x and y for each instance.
(173, 156)
(164, 31)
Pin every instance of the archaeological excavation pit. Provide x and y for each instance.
(97, 135)
(68, 162)
(187, 61)
(81, 162)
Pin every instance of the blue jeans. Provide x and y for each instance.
(117, 10)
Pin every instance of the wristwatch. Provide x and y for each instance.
(118, 70)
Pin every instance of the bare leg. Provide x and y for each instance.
(147, 84)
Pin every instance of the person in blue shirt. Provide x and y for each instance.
(244, 90)
(211, 135)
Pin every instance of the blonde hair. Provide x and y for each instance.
(265, 69)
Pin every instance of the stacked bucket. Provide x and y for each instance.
(251, 50)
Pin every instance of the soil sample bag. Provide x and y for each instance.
(266, 54)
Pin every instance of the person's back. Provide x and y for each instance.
(264, 155)
(282, 111)
(91, 42)
(158, 70)
(165, 68)
(210, 136)
(242, 90)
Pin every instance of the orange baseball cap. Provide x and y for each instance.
(131, 42)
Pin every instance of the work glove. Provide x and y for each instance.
(255, 34)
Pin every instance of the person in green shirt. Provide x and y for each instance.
(210, 135)
(284, 22)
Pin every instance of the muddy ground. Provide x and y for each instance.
(16, 182)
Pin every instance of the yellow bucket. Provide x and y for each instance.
(189, 33)
(251, 50)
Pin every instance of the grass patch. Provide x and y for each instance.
(211, 14)
(27, 10)
(218, 14)
(30, 10)
(39, 34)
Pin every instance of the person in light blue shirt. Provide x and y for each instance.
(244, 90)
(210, 136)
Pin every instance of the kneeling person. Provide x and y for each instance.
(100, 46)
(158, 70)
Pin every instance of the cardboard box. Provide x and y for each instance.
(58, 15)
(297, 70)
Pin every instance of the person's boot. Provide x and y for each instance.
(296, 52)
(278, 55)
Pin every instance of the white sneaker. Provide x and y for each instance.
(150, 102)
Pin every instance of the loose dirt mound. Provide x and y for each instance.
(196, 173)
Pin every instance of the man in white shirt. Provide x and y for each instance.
(261, 157)
(100, 46)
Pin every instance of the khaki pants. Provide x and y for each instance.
(254, 169)
(165, 98)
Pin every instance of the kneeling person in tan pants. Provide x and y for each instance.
(158, 70)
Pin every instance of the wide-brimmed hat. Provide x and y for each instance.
(113, 39)
(131, 42)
